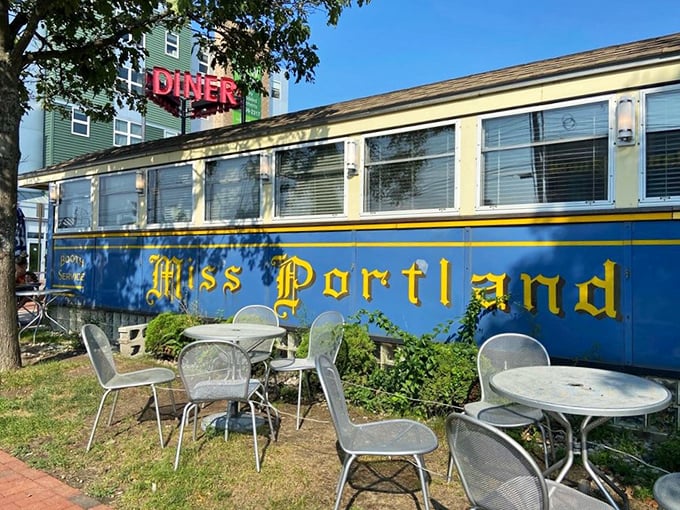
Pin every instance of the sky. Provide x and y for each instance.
(390, 45)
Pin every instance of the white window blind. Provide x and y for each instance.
(232, 188)
(169, 197)
(662, 145)
(551, 156)
(409, 171)
(75, 209)
(310, 181)
(118, 200)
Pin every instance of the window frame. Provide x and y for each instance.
(129, 136)
(79, 122)
(275, 180)
(127, 226)
(128, 83)
(168, 44)
(607, 203)
(149, 190)
(641, 128)
(263, 161)
(61, 207)
(363, 174)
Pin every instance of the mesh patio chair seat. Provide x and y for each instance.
(100, 354)
(498, 474)
(216, 370)
(498, 353)
(325, 337)
(398, 437)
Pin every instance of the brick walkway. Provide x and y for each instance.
(22, 487)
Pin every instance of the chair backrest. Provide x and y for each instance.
(496, 472)
(214, 370)
(325, 335)
(335, 397)
(256, 314)
(99, 351)
(504, 351)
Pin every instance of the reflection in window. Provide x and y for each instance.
(232, 188)
(126, 132)
(169, 196)
(75, 208)
(408, 171)
(662, 145)
(80, 123)
(117, 200)
(310, 181)
(551, 156)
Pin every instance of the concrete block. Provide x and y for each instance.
(131, 340)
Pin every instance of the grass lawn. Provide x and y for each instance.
(47, 409)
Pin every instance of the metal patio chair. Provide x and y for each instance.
(216, 370)
(398, 437)
(258, 314)
(498, 474)
(498, 353)
(325, 337)
(99, 351)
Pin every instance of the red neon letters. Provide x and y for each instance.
(195, 87)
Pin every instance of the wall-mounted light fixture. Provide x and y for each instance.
(266, 166)
(54, 193)
(625, 121)
(351, 158)
(140, 181)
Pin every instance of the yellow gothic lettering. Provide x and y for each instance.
(209, 282)
(445, 283)
(167, 278)
(368, 277)
(586, 293)
(342, 278)
(294, 274)
(413, 275)
(233, 282)
(499, 288)
(530, 289)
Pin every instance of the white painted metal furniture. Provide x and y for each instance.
(667, 491)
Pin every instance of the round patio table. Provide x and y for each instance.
(667, 491)
(596, 394)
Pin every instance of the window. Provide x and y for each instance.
(172, 44)
(662, 146)
(276, 89)
(232, 188)
(130, 80)
(126, 132)
(554, 156)
(75, 208)
(203, 62)
(310, 181)
(80, 123)
(169, 195)
(409, 171)
(118, 200)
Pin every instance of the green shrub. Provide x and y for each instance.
(164, 337)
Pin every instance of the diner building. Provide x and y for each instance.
(554, 184)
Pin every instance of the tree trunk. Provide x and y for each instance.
(10, 117)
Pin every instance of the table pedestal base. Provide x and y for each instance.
(239, 422)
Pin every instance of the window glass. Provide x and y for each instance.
(75, 208)
(546, 157)
(130, 80)
(232, 188)
(310, 180)
(414, 170)
(171, 44)
(118, 200)
(80, 123)
(662, 145)
(169, 197)
(126, 132)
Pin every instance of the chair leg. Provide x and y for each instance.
(254, 420)
(96, 419)
(449, 471)
(185, 413)
(297, 420)
(113, 407)
(423, 479)
(541, 428)
(158, 414)
(347, 464)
